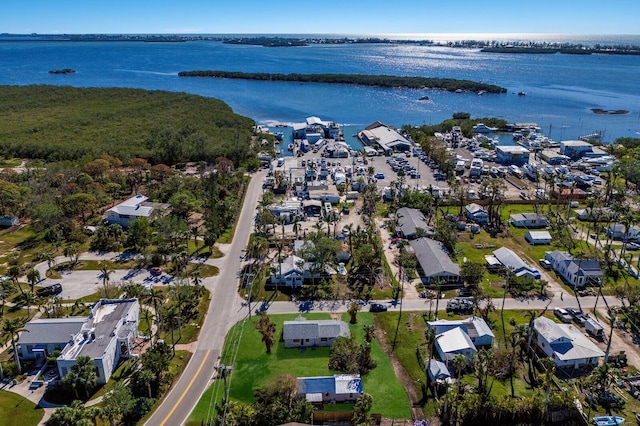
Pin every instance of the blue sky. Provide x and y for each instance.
(325, 16)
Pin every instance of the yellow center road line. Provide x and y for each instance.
(187, 389)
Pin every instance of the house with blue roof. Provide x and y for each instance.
(330, 389)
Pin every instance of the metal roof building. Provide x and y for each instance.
(434, 262)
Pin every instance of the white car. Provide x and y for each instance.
(632, 246)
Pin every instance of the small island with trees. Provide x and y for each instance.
(386, 81)
(63, 71)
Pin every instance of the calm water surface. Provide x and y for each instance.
(560, 89)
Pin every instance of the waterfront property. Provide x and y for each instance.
(384, 137)
(577, 272)
(512, 155)
(134, 208)
(434, 262)
(308, 333)
(575, 149)
(314, 129)
(565, 344)
(330, 389)
(411, 224)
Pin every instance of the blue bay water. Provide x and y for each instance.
(560, 89)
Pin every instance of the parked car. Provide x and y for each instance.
(379, 176)
(545, 264)
(49, 290)
(377, 307)
(632, 246)
(562, 315)
(577, 316)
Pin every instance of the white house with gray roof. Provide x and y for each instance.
(528, 220)
(134, 208)
(476, 328)
(44, 336)
(303, 333)
(565, 344)
(475, 212)
(108, 334)
(577, 272)
(433, 262)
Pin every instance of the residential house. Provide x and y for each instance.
(44, 336)
(330, 389)
(600, 214)
(536, 238)
(106, 335)
(433, 262)
(565, 344)
(454, 342)
(514, 264)
(411, 224)
(292, 271)
(476, 213)
(306, 333)
(619, 232)
(577, 272)
(528, 220)
(384, 137)
(438, 372)
(476, 328)
(134, 208)
(287, 210)
(512, 155)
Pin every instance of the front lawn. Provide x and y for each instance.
(16, 410)
(252, 368)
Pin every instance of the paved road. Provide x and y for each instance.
(224, 311)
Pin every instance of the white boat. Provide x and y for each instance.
(482, 128)
(531, 171)
(515, 170)
(608, 420)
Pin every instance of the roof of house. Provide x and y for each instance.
(409, 220)
(133, 207)
(568, 342)
(106, 318)
(51, 330)
(438, 370)
(433, 259)
(519, 217)
(576, 143)
(509, 259)
(454, 340)
(473, 326)
(301, 328)
(338, 384)
(539, 235)
(291, 264)
(474, 208)
(587, 267)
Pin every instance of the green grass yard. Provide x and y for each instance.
(16, 410)
(253, 368)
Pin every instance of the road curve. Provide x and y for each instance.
(224, 311)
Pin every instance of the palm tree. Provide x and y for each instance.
(459, 362)
(28, 299)
(11, 328)
(547, 380)
(6, 289)
(85, 374)
(268, 329)
(106, 274)
(154, 297)
(33, 276)
(14, 272)
(196, 277)
(171, 315)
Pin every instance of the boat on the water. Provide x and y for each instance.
(608, 420)
(423, 98)
(522, 93)
(483, 128)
